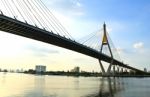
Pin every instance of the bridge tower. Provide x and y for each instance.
(105, 42)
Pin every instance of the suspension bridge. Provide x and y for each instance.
(32, 19)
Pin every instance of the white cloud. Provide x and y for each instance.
(138, 45)
(70, 7)
(120, 50)
(78, 4)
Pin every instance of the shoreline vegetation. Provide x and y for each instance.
(82, 73)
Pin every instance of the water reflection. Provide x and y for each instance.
(23, 85)
(38, 88)
(4, 78)
(53, 86)
(109, 87)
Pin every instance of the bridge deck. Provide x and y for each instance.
(14, 26)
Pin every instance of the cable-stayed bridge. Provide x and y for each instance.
(32, 19)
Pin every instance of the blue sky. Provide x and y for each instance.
(127, 23)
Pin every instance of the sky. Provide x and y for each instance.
(127, 25)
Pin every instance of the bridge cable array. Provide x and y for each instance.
(33, 12)
(113, 48)
(94, 41)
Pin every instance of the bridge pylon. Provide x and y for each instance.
(105, 42)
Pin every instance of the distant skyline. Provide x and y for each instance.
(127, 24)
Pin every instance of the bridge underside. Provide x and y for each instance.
(23, 29)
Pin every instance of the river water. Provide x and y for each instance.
(26, 85)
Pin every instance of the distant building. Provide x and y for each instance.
(76, 69)
(40, 68)
(17, 70)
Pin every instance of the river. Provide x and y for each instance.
(26, 85)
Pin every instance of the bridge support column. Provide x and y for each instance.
(108, 73)
(102, 68)
(118, 71)
(105, 42)
(109, 68)
(126, 70)
(114, 70)
(121, 70)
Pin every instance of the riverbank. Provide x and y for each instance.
(82, 74)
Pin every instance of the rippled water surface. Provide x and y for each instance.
(25, 85)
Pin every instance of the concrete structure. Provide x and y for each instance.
(40, 68)
(145, 69)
